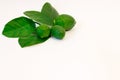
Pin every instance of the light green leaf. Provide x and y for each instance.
(46, 16)
(31, 40)
(18, 27)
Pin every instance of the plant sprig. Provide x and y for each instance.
(49, 22)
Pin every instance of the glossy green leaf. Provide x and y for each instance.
(31, 40)
(46, 16)
(18, 27)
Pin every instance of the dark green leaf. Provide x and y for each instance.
(31, 40)
(46, 16)
(18, 27)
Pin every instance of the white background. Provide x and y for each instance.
(90, 51)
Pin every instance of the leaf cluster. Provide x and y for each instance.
(28, 32)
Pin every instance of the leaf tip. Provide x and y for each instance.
(47, 3)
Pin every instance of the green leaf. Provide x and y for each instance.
(50, 12)
(46, 16)
(18, 27)
(36, 16)
(31, 40)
